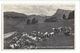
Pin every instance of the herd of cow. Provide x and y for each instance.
(25, 40)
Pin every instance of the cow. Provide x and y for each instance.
(51, 34)
(12, 46)
(55, 30)
(66, 30)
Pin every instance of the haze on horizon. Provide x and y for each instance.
(37, 9)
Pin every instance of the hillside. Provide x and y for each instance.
(61, 15)
(60, 12)
(15, 20)
(11, 19)
(40, 18)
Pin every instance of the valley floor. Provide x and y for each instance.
(60, 40)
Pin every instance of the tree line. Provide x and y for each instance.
(71, 15)
(33, 21)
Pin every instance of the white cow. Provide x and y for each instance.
(12, 46)
(52, 33)
(46, 33)
(24, 34)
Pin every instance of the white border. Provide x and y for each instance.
(77, 29)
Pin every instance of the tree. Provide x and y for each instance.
(71, 15)
(64, 17)
(28, 21)
(34, 21)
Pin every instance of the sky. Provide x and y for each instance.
(37, 9)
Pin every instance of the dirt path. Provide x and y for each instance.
(8, 34)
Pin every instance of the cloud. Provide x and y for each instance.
(37, 9)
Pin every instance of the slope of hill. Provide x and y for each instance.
(40, 18)
(14, 15)
(11, 19)
(60, 12)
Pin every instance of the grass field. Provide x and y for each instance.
(43, 27)
(60, 40)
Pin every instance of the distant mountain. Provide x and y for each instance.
(61, 15)
(14, 15)
(60, 12)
